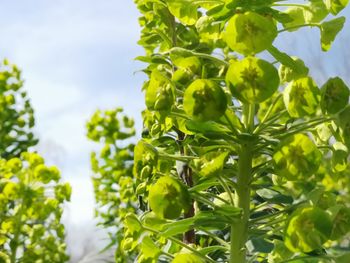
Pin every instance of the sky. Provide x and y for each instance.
(78, 56)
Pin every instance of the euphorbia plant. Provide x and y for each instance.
(16, 113)
(113, 181)
(31, 206)
(243, 157)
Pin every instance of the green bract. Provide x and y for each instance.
(334, 96)
(301, 97)
(335, 6)
(187, 67)
(187, 258)
(297, 158)
(344, 124)
(204, 100)
(145, 159)
(308, 229)
(250, 33)
(159, 92)
(168, 198)
(287, 74)
(252, 80)
(341, 221)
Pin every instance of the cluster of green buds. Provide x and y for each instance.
(16, 113)
(31, 206)
(112, 166)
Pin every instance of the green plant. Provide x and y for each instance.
(31, 196)
(113, 181)
(30, 211)
(239, 162)
(16, 113)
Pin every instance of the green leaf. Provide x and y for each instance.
(207, 250)
(274, 196)
(286, 60)
(132, 223)
(343, 258)
(178, 227)
(259, 245)
(206, 127)
(149, 249)
(211, 164)
(335, 6)
(329, 31)
(184, 10)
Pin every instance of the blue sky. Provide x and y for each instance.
(77, 56)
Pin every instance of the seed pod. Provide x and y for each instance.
(250, 33)
(296, 158)
(334, 96)
(159, 92)
(168, 198)
(252, 80)
(301, 97)
(308, 229)
(204, 100)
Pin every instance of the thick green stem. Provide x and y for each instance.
(239, 229)
(14, 242)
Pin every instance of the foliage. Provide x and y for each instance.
(114, 184)
(31, 202)
(239, 161)
(16, 113)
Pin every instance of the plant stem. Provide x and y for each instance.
(15, 239)
(299, 26)
(239, 229)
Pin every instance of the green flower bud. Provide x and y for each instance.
(334, 96)
(308, 229)
(159, 92)
(14, 164)
(168, 198)
(250, 33)
(204, 100)
(252, 80)
(297, 157)
(301, 97)
(145, 155)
